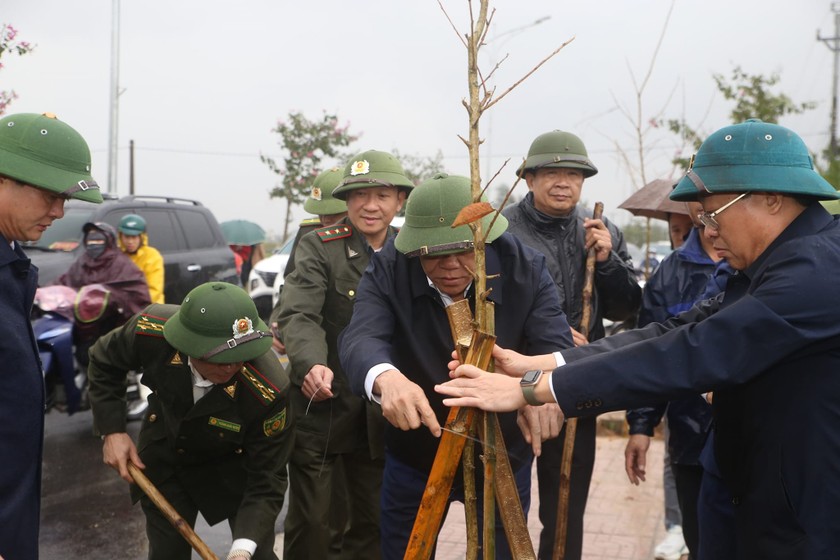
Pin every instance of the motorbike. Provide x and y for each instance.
(66, 323)
(65, 381)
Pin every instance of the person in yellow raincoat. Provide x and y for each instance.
(134, 242)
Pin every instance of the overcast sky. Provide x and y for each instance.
(205, 81)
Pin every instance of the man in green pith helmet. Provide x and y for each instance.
(317, 304)
(320, 202)
(43, 163)
(218, 431)
(550, 220)
(328, 211)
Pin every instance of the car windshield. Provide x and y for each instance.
(64, 234)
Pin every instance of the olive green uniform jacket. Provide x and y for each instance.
(317, 304)
(228, 451)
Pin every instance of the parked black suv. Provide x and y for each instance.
(184, 231)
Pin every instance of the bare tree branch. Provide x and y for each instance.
(523, 78)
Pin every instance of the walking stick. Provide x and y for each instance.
(571, 423)
(171, 515)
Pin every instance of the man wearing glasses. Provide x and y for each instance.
(769, 347)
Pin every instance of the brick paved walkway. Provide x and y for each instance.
(623, 522)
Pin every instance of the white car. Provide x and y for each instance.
(262, 277)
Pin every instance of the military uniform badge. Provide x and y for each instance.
(276, 424)
(242, 327)
(361, 167)
(224, 424)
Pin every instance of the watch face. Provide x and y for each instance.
(531, 376)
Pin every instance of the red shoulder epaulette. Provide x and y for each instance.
(334, 232)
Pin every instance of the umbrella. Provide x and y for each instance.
(652, 201)
(242, 232)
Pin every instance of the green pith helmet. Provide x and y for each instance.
(42, 151)
(321, 201)
(753, 156)
(218, 322)
(557, 149)
(132, 224)
(429, 213)
(372, 169)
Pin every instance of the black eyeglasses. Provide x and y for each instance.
(708, 218)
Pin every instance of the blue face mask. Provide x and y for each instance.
(95, 244)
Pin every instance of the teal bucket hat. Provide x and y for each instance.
(753, 156)
(42, 151)
(430, 212)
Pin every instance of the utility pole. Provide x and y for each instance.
(833, 43)
(131, 167)
(113, 121)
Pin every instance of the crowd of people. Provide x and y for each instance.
(736, 345)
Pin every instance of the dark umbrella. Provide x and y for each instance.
(242, 232)
(652, 201)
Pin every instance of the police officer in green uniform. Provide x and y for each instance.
(321, 202)
(331, 421)
(217, 434)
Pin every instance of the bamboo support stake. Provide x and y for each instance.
(489, 459)
(470, 499)
(571, 424)
(450, 449)
(449, 453)
(507, 498)
(171, 515)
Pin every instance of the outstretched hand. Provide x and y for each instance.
(480, 389)
(511, 363)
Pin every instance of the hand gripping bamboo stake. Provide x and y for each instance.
(451, 447)
(571, 423)
(169, 512)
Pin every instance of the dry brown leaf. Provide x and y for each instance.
(472, 213)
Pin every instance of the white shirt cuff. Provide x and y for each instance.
(558, 357)
(370, 378)
(244, 544)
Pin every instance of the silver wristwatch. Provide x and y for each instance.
(528, 383)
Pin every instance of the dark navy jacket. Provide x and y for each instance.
(678, 282)
(21, 408)
(770, 349)
(399, 319)
(616, 294)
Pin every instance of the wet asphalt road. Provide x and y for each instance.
(86, 511)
